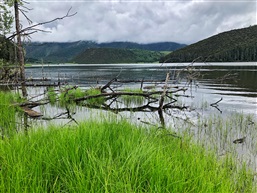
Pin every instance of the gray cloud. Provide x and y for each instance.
(141, 21)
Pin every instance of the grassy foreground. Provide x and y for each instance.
(7, 114)
(113, 157)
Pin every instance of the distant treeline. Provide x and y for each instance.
(233, 46)
(115, 55)
(61, 52)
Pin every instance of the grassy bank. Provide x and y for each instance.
(113, 157)
(7, 114)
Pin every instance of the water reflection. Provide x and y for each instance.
(240, 86)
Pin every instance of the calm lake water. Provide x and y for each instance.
(235, 83)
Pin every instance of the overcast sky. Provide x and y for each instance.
(142, 21)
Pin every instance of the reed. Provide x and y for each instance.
(111, 156)
(132, 100)
(68, 94)
(7, 114)
(52, 95)
(66, 97)
(94, 101)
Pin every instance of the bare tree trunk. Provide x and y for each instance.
(20, 49)
(161, 101)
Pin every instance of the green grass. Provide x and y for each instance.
(129, 100)
(67, 96)
(52, 95)
(94, 101)
(7, 114)
(113, 157)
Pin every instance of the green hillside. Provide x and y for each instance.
(114, 55)
(61, 52)
(238, 45)
(160, 46)
(52, 52)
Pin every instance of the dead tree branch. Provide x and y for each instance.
(33, 27)
(108, 85)
(216, 105)
(116, 94)
(161, 101)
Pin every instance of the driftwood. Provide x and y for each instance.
(240, 140)
(31, 104)
(116, 94)
(159, 101)
(108, 85)
(216, 105)
(155, 100)
(31, 113)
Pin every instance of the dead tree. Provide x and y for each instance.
(19, 48)
(26, 32)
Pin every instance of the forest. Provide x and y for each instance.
(239, 45)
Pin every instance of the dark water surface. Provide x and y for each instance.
(235, 83)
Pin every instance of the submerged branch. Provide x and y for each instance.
(116, 94)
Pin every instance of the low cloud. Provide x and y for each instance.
(140, 21)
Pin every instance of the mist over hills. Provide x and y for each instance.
(239, 45)
(62, 52)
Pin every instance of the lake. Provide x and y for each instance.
(235, 83)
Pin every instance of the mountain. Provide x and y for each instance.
(61, 52)
(116, 55)
(53, 52)
(238, 45)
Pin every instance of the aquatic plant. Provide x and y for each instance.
(52, 95)
(129, 100)
(94, 101)
(68, 94)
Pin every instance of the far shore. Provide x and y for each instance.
(251, 64)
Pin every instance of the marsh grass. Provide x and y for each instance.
(219, 132)
(129, 100)
(52, 95)
(66, 97)
(113, 157)
(7, 114)
(94, 101)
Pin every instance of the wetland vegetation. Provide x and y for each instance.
(109, 154)
(112, 155)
